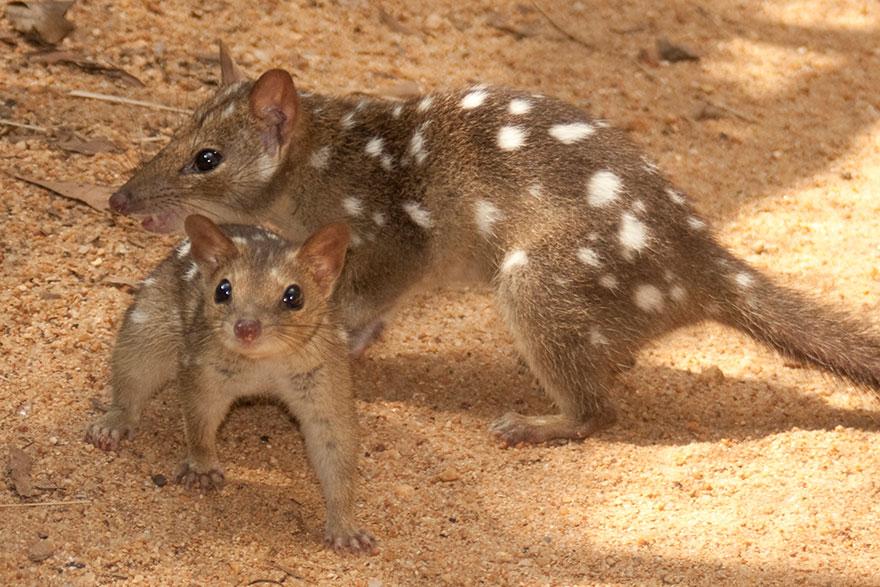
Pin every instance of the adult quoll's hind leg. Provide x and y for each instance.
(570, 346)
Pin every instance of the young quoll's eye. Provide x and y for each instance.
(207, 159)
(293, 297)
(223, 293)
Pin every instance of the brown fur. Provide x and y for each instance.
(582, 282)
(175, 331)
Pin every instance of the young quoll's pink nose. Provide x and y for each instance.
(247, 330)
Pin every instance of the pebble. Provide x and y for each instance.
(448, 475)
(40, 550)
(404, 491)
(713, 375)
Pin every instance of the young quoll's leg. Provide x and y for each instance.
(575, 342)
(328, 424)
(144, 359)
(203, 411)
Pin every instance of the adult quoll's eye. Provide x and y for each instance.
(293, 297)
(223, 293)
(207, 159)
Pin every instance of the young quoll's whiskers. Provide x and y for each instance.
(238, 311)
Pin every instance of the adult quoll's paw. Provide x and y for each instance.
(192, 478)
(108, 432)
(354, 540)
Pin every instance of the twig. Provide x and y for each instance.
(34, 504)
(5, 122)
(556, 26)
(267, 581)
(121, 100)
(730, 110)
(286, 571)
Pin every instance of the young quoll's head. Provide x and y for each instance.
(221, 162)
(263, 296)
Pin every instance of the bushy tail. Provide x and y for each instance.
(795, 325)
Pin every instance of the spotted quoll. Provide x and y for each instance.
(590, 251)
(237, 312)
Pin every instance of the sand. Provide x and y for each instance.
(728, 466)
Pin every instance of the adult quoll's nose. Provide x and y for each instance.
(120, 201)
(247, 330)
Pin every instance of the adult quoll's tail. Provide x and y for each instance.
(797, 326)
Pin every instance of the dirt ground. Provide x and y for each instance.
(728, 466)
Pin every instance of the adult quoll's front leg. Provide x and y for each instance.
(202, 416)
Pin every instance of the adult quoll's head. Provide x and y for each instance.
(221, 161)
(262, 295)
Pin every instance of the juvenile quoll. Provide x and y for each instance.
(238, 312)
(590, 251)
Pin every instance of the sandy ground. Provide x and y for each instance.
(764, 473)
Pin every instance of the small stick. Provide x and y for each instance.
(121, 100)
(730, 110)
(556, 26)
(35, 504)
(5, 122)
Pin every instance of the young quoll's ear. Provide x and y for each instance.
(275, 103)
(229, 71)
(323, 254)
(210, 246)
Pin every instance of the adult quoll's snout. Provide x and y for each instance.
(247, 330)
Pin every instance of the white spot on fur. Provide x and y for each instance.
(320, 158)
(648, 298)
(744, 280)
(138, 316)
(387, 161)
(425, 103)
(374, 147)
(633, 234)
(677, 293)
(695, 223)
(486, 214)
(353, 206)
(474, 99)
(603, 188)
(596, 337)
(183, 249)
(536, 190)
(649, 165)
(571, 133)
(230, 108)
(608, 281)
(191, 272)
(511, 138)
(379, 218)
(347, 121)
(639, 207)
(397, 110)
(518, 106)
(148, 282)
(676, 197)
(588, 256)
(356, 240)
(418, 214)
(593, 236)
(417, 144)
(514, 259)
(273, 236)
(240, 241)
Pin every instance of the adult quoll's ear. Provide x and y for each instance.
(275, 104)
(323, 254)
(209, 245)
(229, 71)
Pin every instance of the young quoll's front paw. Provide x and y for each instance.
(352, 540)
(110, 430)
(192, 477)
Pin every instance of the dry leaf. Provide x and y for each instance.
(95, 196)
(394, 24)
(76, 144)
(87, 65)
(401, 90)
(122, 282)
(40, 21)
(674, 53)
(19, 468)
